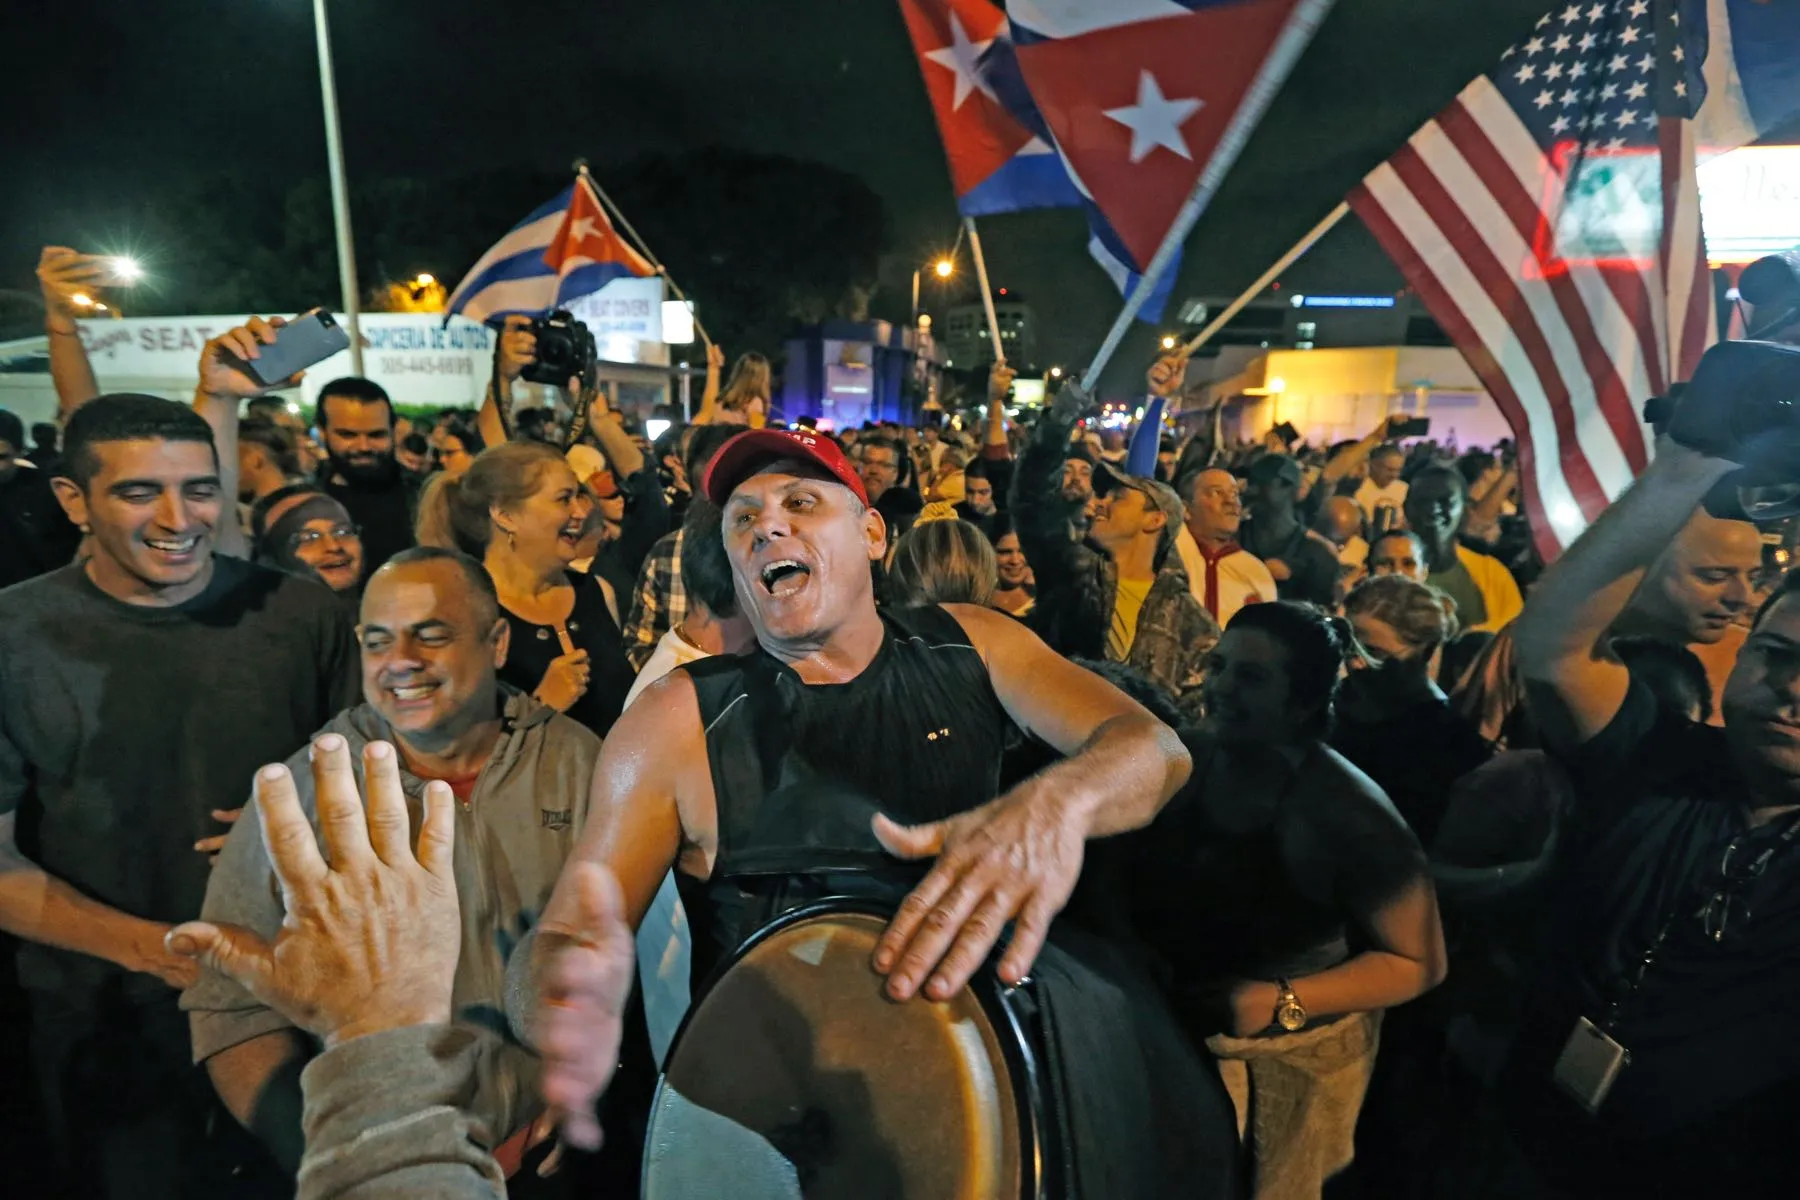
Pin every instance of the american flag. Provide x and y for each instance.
(1549, 218)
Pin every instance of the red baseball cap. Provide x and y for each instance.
(754, 449)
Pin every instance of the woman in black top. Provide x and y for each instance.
(1394, 722)
(1287, 899)
(521, 511)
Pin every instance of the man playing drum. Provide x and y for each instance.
(854, 738)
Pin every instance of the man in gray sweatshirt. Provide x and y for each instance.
(431, 639)
(368, 963)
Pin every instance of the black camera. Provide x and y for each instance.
(565, 348)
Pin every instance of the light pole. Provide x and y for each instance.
(943, 268)
(340, 192)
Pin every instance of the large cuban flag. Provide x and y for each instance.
(1136, 95)
(566, 248)
(1001, 151)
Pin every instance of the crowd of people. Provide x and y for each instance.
(1428, 871)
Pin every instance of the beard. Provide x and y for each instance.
(364, 468)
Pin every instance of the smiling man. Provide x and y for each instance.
(141, 687)
(356, 420)
(1653, 1057)
(852, 739)
(432, 639)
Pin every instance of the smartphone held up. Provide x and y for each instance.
(308, 339)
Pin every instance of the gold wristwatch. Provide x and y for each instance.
(1290, 1014)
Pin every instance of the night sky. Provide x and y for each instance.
(101, 97)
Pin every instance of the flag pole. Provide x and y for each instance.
(987, 293)
(624, 223)
(1289, 44)
(1269, 276)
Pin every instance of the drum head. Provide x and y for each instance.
(797, 1043)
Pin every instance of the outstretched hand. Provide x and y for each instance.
(583, 976)
(372, 933)
(1015, 858)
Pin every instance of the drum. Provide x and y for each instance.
(794, 1075)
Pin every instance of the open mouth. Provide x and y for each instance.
(785, 576)
(176, 547)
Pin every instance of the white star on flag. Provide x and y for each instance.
(581, 229)
(1636, 91)
(1535, 46)
(1561, 43)
(959, 58)
(1610, 92)
(1619, 63)
(1554, 72)
(1640, 7)
(1629, 34)
(1646, 64)
(1595, 13)
(1155, 120)
(1571, 15)
(1526, 73)
(1545, 99)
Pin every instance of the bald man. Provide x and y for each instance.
(1223, 575)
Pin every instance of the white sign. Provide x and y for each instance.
(677, 322)
(626, 319)
(413, 355)
(1750, 203)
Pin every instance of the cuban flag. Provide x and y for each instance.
(566, 248)
(1001, 151)
(1136, 95)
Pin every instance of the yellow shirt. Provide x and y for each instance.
(1129, 601)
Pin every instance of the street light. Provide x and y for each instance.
(1168, 342)
(424, 279)
(340, 191)
(1056, 372)
(943, 268)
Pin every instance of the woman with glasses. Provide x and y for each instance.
(308, 533)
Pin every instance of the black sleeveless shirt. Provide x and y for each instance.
(800, 770)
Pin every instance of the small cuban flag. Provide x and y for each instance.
(566, 248)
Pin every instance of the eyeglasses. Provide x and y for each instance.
(1728, 899)
(312, 537)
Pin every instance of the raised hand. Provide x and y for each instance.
(64, 274)
(223, 361)
(1000, 381)
(518, 347)
(1167, 374)
(372, 932)
(1013, 859)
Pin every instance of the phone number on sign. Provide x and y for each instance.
(397, 364)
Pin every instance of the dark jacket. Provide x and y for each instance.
(1078, 582)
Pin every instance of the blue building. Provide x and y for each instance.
(846, 372)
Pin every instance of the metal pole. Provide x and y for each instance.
(1293, 38)
(618, 215)
(915, 319)
(340, 193)
(987, 293)
(1256, 289)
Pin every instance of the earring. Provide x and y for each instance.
(512, 540)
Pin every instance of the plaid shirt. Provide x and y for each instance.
(660, 602)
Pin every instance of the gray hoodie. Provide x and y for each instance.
(513, 835)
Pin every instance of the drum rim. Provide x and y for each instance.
(989, 992)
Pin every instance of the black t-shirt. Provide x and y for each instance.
(122, 727)
(1415, 756)
(383, 509)
(1260, 868)
(35, 534)
(1311, 562)
(591, 628)
(1710, 1030)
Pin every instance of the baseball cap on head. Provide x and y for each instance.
(754, 449)
(1159, 495)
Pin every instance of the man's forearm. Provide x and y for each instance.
(38, 907)
(221, 414)
(259, 1083)
(70, 371)
(1123, 776)
(1585, 590)
(386, 1116)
